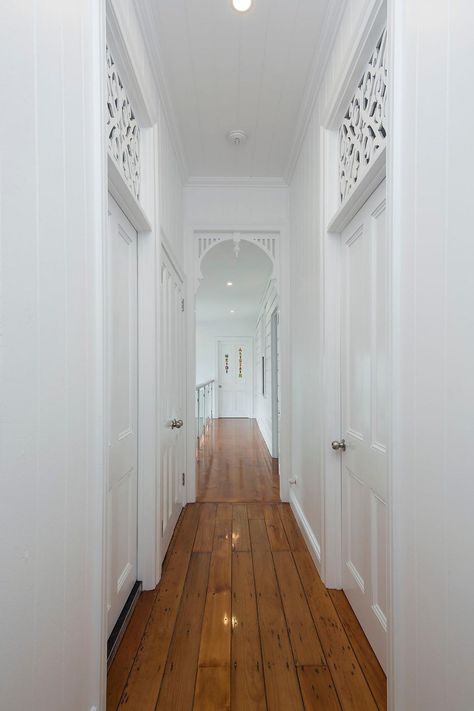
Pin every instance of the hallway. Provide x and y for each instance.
(234, 464)
(241, 619)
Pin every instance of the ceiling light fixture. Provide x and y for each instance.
(232, 311)
(229, 283)
(237, 137)
(242, 5)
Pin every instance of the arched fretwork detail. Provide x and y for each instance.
(205, 241)
(363, 133)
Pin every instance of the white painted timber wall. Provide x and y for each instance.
(307, 289)
(263, 347)
(52, 215)
(433, 335)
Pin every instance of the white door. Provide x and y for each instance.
(121, 314)
(172, 398)
(235, 377)
(364, 419)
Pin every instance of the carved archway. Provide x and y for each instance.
(205, 241)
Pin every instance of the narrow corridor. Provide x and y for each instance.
(241, 619)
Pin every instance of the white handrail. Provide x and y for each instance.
(205, 393)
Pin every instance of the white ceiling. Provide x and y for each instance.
(249, 274)
(226, 70)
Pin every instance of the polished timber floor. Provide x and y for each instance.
(242, 621)
(234, 464)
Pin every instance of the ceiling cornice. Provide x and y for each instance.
(225, 182)
(321, 58)
(147, 19)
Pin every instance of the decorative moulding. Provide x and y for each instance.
(206, 240)
(372, 177)
(125, 198)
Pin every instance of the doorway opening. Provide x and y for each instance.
(237, 402)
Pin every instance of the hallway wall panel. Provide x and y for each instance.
(307, 286)
(52, 215)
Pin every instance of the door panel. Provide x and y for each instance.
(364, 414)
(173, 379)
(235, 377)
(122, 410)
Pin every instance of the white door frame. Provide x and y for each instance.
(333, 220)
(144, 217)
(249, 341)
(275, 375)
(282, 286)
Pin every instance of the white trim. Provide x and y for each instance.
(125, 198)
(366, 185)
(308, 533)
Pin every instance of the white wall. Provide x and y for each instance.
(234, 206)
(433, 332)
(263, 347)
(207, 333)
(52, 212)
(307, 288)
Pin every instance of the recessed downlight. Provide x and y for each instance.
(232, 311)
(230, 283)
(242, 5)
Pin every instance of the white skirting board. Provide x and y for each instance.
(308, 533)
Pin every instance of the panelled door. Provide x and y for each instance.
(235, 377)
(364, 419)
(121, 346)
(172, 398)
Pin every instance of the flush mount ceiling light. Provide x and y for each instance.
(242, 5)
(237, 137)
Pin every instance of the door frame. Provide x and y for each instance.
(282, 281)
(144, 218)
(333, 220)
(249, 341)
(275, 375)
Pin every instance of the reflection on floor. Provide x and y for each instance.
(234, 464)
(242, 621)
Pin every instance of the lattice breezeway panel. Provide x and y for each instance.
(123, 132)
(362, 134)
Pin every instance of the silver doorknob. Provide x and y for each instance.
(339, 444)
(176, 424)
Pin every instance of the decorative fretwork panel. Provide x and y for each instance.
(122, 129)
(362, 134)
(205, 241)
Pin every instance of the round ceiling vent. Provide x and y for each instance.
(237, 138)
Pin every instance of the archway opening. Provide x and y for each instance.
(237, 366)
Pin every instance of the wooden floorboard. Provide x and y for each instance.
(241, 621)
(234, 464)
(373, 672)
